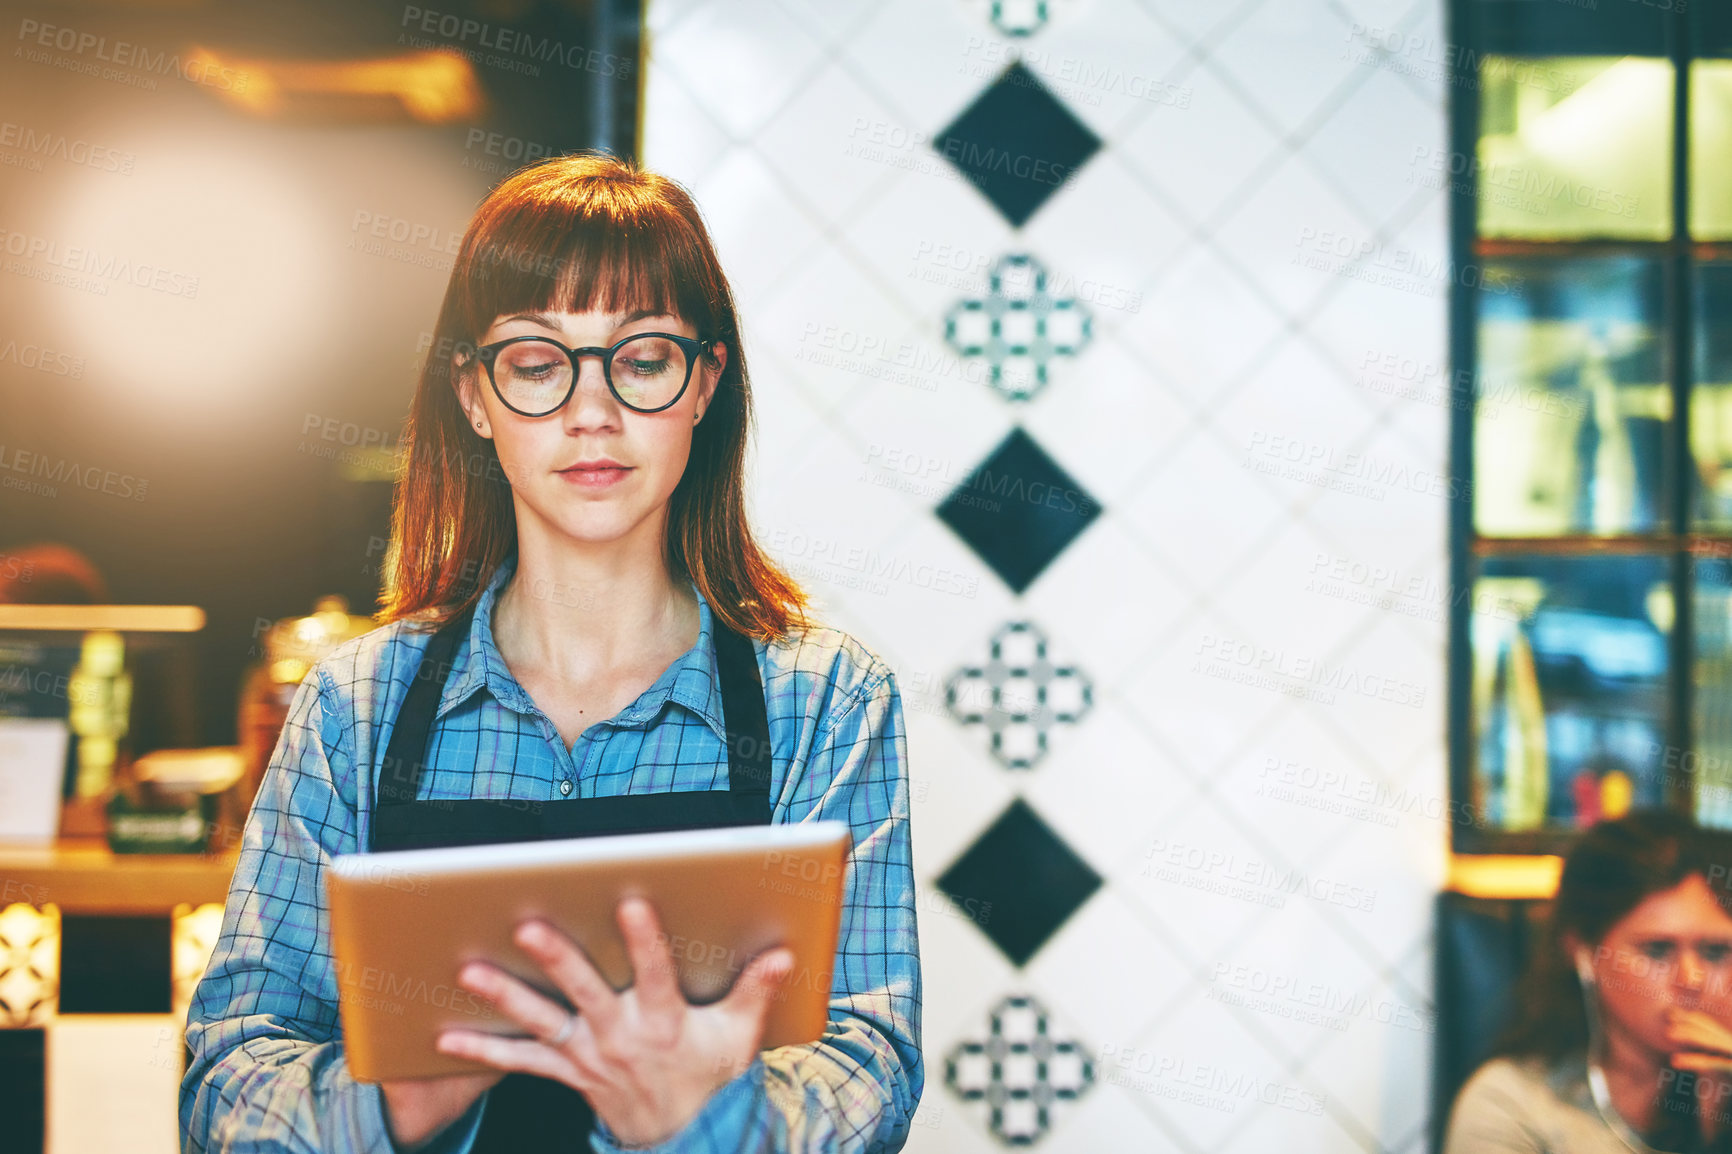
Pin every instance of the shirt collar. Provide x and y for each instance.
(692, 680)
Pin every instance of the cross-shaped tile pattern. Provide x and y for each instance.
(1019, 17)
(1018, 327)
(1018, 694)
(1230, 137)
(1018, 1071)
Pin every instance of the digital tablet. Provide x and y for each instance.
(404, 923)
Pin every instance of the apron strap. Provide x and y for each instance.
(405, 756)
(743, 711)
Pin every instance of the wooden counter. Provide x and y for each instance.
(82, 876)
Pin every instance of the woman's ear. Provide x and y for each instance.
(1581, 956)
(463, 378)
(712, 366)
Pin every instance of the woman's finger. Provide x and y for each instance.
(652, 966)
(1700, 1033)
(572, 972)
(528, 1007)
(1691, 1060)
(515, 1055)
(760, 986)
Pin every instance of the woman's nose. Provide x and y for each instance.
(1691, 971)
(591, 403)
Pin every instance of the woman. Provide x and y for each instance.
(583, 639)
(1621, 1041)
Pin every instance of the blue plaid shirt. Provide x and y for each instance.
(267, 1069)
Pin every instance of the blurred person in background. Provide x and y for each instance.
(49, 574)
(1622, 1036)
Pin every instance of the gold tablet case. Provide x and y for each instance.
(404, 923)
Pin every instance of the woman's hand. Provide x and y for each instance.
(418, 1109)
(646, 1059)
(1705, 1045)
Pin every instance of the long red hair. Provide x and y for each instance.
(577, 233)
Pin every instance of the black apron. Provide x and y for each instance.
(526, 1114)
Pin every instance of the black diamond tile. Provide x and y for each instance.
(1018, 510)
(1017, 143)
(1019, 882)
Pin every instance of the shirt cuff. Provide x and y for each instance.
(721, 1127)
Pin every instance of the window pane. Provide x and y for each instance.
(1711, 398)
(1573, 400)
(1711, 759)
(1575, 146)
(1710, 139)
(1568, 689)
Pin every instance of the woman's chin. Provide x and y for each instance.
(595, 524)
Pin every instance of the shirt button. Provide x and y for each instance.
(565, 788)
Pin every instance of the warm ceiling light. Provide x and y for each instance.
(434, 86)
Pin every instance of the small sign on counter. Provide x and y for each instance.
(32, 770)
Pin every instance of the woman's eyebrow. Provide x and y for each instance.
(541, 319)
(548, 322)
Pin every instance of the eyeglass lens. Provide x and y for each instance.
(535, 376)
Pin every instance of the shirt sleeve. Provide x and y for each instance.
(855, 1089)
(1497, 1112)
(267, 1071)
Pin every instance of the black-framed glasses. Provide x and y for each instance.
(646, 372)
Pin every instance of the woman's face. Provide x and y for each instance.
(593, 471)
(1673, 952)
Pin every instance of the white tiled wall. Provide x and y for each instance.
(1260, 605)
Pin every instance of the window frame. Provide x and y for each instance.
(1472, 36)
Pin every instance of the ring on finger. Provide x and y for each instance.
(563, 1035)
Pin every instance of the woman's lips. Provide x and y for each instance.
(599, 478)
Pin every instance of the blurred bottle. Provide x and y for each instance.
(289, 650)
